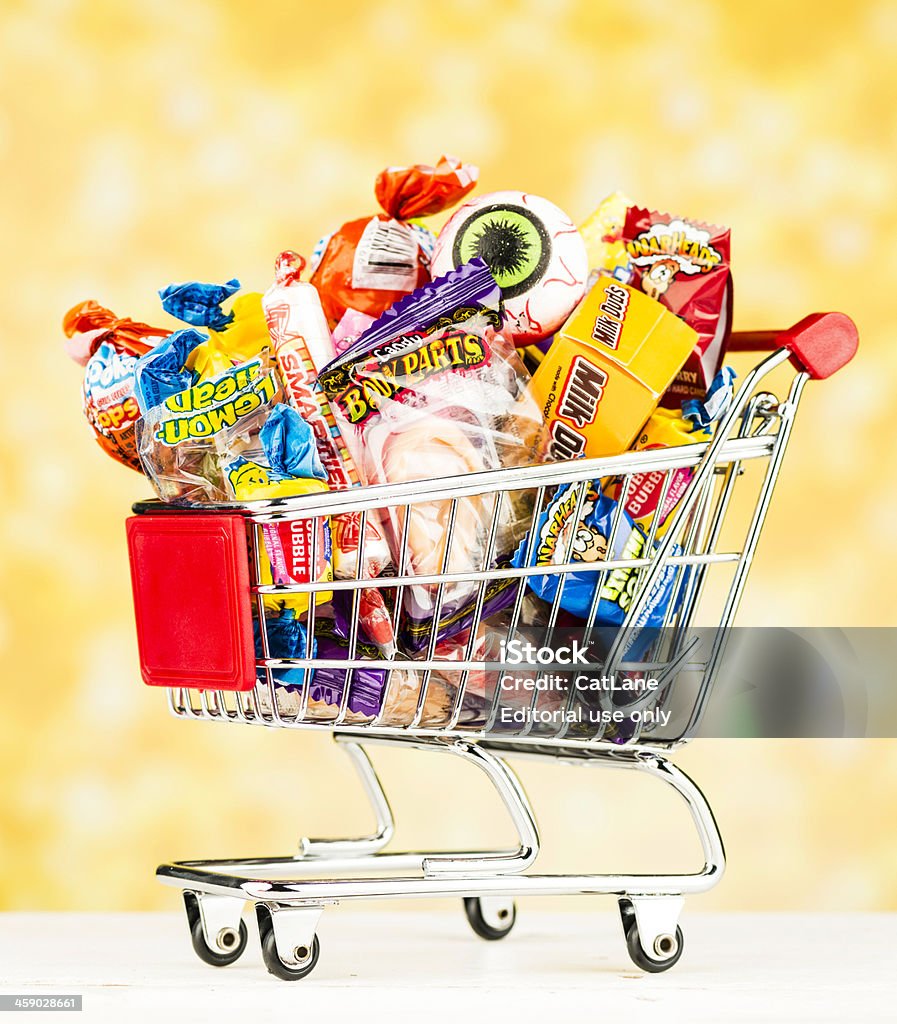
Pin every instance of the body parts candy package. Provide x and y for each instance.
(433, 389)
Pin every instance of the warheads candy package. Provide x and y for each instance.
(590, 530)
(685, 265)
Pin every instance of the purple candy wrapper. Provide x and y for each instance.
(286, 639)
(366, 685)
(471, 286)
(457, 613)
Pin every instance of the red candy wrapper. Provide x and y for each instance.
(108, 347)
(89, 324)
(376, 621)
(372, 262)
(685, 265)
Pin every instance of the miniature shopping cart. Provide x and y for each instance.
(203, 608)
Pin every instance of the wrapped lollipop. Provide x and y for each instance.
(108, 348)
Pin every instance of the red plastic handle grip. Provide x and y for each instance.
(820, 344)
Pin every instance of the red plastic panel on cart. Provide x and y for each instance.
(190, 575)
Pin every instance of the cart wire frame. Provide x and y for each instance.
(290, 892)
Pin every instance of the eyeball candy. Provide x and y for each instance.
(535, 253)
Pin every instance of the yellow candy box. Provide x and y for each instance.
(607, 369)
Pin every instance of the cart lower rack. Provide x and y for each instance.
(693, 555)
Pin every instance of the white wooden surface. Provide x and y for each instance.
(429, 966)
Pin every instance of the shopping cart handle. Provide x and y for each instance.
(820, 344)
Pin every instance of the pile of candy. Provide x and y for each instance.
(512, 337)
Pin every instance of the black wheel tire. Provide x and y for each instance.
(276, 966)
(634, 944)
(474, 911)
(215, 957)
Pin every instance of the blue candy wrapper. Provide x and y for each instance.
(161, 373)
(281, 463)
(286, 639)
(591, 530)
(703, 414)
(289, 445)
(199, 304)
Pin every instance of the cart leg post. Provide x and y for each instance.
(701, 813)
(518, 806)
(650, 920)
(361, 846)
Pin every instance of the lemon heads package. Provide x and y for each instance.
(223, 432)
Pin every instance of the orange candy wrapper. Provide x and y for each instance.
(372, 262)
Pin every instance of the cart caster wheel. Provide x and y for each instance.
(287, 972)
(276, 966)
(667, 947)
(490, 922)
(231, 943)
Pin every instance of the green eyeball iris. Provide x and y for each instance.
(512, 241)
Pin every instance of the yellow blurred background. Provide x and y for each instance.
(155, 141)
